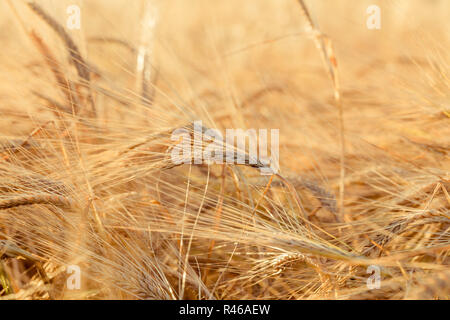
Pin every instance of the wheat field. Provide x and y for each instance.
(360, 208)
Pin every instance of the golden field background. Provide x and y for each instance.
(94, 189)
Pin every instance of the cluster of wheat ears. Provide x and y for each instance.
(85, 132)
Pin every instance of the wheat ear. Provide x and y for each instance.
(26, 200)
(75, 56)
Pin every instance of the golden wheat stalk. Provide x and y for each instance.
(325, 46)
(145, 53)
(26, 200)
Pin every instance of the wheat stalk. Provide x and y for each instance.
(26, 200)
(325, 46)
